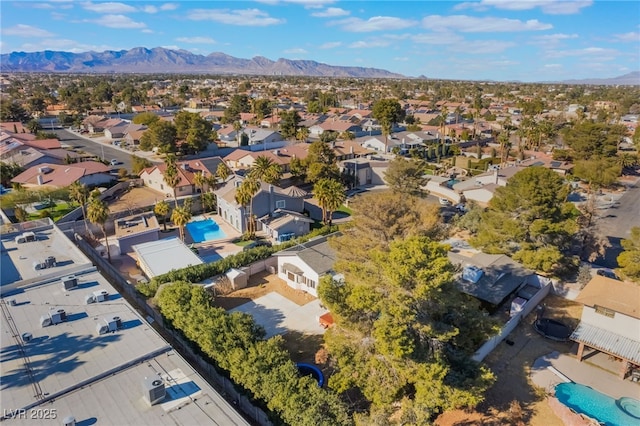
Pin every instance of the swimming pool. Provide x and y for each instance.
(603, 408)
(205, 230)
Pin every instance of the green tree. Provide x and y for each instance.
(20, 214)
(181, 215)
(161, 134)
(194, 130)
(146, 118)
(209, 201)
(330, 195)
(387, 112)
(33, 126)
(321, 162)
(629, 259)
(597, 172)
(593, 140)
(406, 176)
(200, 181)
(98, 213)
(244, 196)
(138, 164)
(266, 170)
(171, 176)
(161, 209)
(11, 110)
(8, 171)
(302, 134)
(531, 220)
(80, 194)
(289, 121)
(222, 172)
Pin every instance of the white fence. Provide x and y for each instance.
(493, 342)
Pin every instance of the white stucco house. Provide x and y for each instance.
(610, 322)
(302, 266)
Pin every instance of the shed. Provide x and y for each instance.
(237, 278)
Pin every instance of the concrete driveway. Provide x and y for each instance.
(278, 315)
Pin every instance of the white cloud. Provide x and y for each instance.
(368, 44)
(171, 47)
(147, 31)
(630, 36)
(438, 38)
(330, 45)
(550, 7)
(480, 47)
(296, 51)
(376, 23)
(555, 37)
(600, 52)
(108, 7)
(58, 16)
(66, 45)
(244, 17)
(471, 24)
(401, 59)
(196, 40)
(42, 5)
(331, 12)
(22, 30)
(149, 9)
(168, 6)
(553, 66)
(117, 21)
(308, 4)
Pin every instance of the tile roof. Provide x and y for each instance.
(60, 175)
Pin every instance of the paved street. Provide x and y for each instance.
(102, 150)
(617, 217)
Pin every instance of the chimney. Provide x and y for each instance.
(40, 180)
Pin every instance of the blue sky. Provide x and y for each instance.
(526, 40)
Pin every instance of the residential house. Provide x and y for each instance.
(284, 225)
(243, 160)
(610, 321)
(303, 265)
(117, 131)
(90, 173)
(153, 177)
(492, 278)
(26, 156)
(334, 125)
(266, 201)
(262, 139)
(136, 229)
(134, 133)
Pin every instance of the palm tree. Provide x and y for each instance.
(330, 195)
(162, 209)
(443, 121)
(302, 134)
(222, 172)
(265, 169)
(181, 216)
(80, 194)
(171, 176)
(237, 126)
(200, 180)
(244, 196)
(98, 213)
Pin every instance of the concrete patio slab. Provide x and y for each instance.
(278, 315)
(584, 373)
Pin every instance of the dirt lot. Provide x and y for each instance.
(511, 364)
(259, 285)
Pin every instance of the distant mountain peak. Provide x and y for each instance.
(144, 60)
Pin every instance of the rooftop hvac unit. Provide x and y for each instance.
(69, 282)
(102, 328)
(69, 421)
(45, 321)
(50, 261)
(153, 390)
(113, 323)
(57, 316)
(37, 265)
(26, 337)
(25, 237)
(11, 302)
(89, 299)
(471, 273)
(101, 295)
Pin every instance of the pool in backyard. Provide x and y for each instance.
(598, 406)
(204, 230)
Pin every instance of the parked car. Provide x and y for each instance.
(608, 274)
(444, 201)
(114, 162)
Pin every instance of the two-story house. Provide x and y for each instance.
(265, 202)
(610, 321)
(153, 177)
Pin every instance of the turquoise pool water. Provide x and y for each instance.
(603, 408)
(451, 182)
(205, 230)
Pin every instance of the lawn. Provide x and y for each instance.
(345, 209)
(60, 210)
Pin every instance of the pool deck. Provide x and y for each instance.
(597, 372)
(223, 247)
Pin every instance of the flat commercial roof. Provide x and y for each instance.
(18, 259)
(137, 224)
(159, 257)
(72, 370)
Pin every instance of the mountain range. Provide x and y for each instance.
(143, 60)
